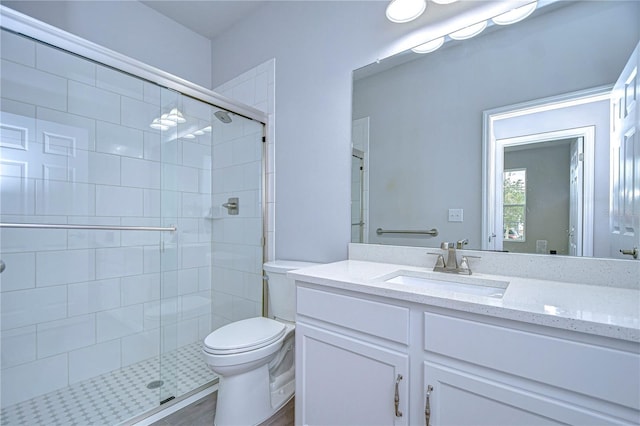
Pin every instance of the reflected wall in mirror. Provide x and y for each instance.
(424, 115)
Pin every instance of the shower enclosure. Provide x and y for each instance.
(131, 227)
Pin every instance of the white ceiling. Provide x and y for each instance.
(208, 18)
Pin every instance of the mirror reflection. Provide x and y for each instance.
(421, 139)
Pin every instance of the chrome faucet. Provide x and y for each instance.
(451, 265)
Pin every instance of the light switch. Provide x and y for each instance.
(455, 215)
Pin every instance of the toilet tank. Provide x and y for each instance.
(282, 291)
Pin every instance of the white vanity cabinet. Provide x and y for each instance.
(352, 348)
(352, 367)
(479, 373)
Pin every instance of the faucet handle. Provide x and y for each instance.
(464, 268)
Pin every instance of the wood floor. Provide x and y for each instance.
(201, 412)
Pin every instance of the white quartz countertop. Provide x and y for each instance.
(598, 310)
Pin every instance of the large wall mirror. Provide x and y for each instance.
(425, 127)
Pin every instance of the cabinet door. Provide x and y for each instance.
(460, 398)
(341, 380)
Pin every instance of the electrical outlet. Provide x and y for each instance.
(455, 215)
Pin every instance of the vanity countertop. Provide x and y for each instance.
(597, 310)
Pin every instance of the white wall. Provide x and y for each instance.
(130, 28)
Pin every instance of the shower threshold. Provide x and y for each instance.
(115, 397)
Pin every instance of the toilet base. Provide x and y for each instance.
(244, 399)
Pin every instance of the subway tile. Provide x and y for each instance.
(119, 140)
(141, 238)
(93, 102)
(138, 114)
(84, 239)
(119, 201)
(140, 173)
(119, 262)
(261, 88)
(252, 176)
(193, 108)
(18, 48)
(196, 155)
(204, 278)
(187, 332)
(253, 287)
(204, 181)
(20, 271)
(244, 308)
(140, 289)
(94, 360)
(17, 128)
(64, 267)
(65, 198)
(151, 93)
(93, 296)
(140, 347)
(42, 89)
(188, 230)
(246, 149)
(17, 196)
(59, 62)
(152, 146)
(160, 312)
(169, 284)
(56, 337)
(196, 205)
(119, 82)
(26, 381)
(81, 129)
(194, 305)
(28, 307)
(120, 322)
(222, 155)
(151, 259)
(27, 240)
(18, 346)
(151, 203)
(179, 178)
(196, 255)
(205, 326)
(103, 169)
(187, 281)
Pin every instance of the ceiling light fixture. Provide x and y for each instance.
(515, 15)
(401, 11)
(468, 32)
(429, 46)
(444, 1)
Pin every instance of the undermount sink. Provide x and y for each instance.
(453, 283)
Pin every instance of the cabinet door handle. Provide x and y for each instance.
(427, 406)
(396, 399)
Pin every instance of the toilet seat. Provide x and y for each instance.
(244, 336)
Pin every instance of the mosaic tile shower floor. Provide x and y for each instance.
(113, 398)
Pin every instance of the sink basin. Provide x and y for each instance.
(452, 283)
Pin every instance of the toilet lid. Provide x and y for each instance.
(243, 336)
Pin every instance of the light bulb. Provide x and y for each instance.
(515, 15)
(401, 11)
(468, 32)
(429, 46)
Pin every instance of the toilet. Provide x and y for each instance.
(254, 358)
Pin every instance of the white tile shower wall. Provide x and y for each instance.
(237, 272)
(76, 147)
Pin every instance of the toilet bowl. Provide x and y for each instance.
(254, 358)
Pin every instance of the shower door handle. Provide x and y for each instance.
(2, 266)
